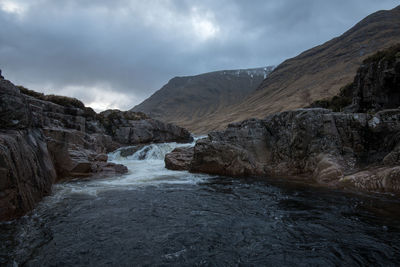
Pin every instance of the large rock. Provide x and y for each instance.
(306, 142)
(14, 113)
(77, 154)
(132, 128)
(179, 159)
(26, 171)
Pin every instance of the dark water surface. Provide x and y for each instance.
(217, 222)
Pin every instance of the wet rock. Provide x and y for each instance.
(179, 159)
(101, 157)
(375, 179)
(306, 142)
(26, 171)
(107, 169)
(224, 158)
(130, 150)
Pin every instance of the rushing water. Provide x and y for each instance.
(153, 216)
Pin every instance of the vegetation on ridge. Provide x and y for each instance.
(338, 102)
(60, 100)
(389, 54)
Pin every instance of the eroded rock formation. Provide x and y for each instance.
(46, 138)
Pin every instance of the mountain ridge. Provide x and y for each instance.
(188, 99)
(314, 74)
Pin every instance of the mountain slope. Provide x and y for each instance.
(314, 74)
(190, 100)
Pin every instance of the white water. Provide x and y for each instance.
(145, 167)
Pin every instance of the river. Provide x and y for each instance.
(153, 216)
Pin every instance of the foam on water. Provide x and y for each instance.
(145, 167)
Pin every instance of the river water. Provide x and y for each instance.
(153, 216)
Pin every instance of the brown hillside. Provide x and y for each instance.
(189, 100)
(314, 74)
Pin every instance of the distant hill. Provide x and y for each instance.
(314, 74)
(190, 100)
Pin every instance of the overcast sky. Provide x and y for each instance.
(116, 53)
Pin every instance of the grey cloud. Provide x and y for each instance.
(131, 48)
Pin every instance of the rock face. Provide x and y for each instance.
(376, 86)
(179, 159)
(334, 148)
(131, 128)
(46, 138)
(26, 171)
(318, 143)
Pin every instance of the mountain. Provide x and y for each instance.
(190, 100)
(314, 74)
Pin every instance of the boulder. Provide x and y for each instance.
(179, 159)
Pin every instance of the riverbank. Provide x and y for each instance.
(159, 217)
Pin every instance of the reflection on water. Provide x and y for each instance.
(157, 217)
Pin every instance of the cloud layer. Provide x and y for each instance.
(114, 54)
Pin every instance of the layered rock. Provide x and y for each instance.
(314, 143)
(131, 128)
(46, 138)
(26, 171)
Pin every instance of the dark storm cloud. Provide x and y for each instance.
(116, 53)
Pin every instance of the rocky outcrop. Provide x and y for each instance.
(131, 128)
(328, 146)
(376, 86)
(179, 159)
(26, 171)
(46, 138)
(334, 148)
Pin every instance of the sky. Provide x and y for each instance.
(116, 53)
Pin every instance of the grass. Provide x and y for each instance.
(338, 102)
(388, 54)
(60, 100)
